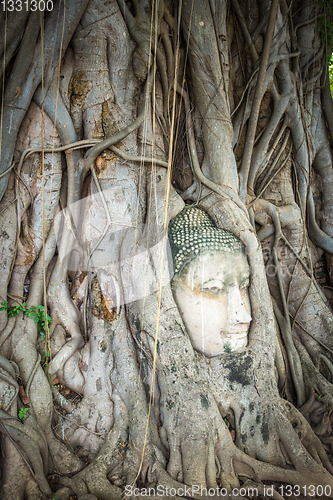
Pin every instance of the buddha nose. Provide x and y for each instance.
(237, 308)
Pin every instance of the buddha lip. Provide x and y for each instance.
(238, 331)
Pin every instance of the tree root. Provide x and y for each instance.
(92, 418)
(92, 480)
(24, 463)
(259, 471)
(17, 482)
(307, 437)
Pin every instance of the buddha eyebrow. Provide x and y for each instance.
(212, 280)
(243, 277)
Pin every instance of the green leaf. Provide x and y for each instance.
(37, 313)
(23, 413)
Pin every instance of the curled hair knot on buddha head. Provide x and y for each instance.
(192, 232)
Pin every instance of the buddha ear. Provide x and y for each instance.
(170, 260)
(175, 205)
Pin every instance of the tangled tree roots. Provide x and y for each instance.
(114, 115)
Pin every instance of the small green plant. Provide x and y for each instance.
(34, 312)
(227, 348)
(23, 413)
(54, 497)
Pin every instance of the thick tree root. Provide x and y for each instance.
(92, 482)
(62, 459)
(18, 481)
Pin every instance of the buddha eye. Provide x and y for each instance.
(214, 290)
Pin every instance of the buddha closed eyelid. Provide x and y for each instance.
(213, 283)
(212, 290)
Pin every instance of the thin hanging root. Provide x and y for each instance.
(6, 332)
(31, 376)
(87, 143)
(164, 79)
(327, 363)
(294, 362)
(225, 191)
(320, 238)
(8, 169)
(264, 153)
(250, 136)
(168, 49)
(269, 177)
(307, 270)
(169, 18)
(315, 58)
(246, 33)
(284, 321)
(244, 92)
(307, 407)
(320, 384)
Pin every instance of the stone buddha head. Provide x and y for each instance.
(210, 283)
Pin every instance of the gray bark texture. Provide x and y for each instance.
(115, 114)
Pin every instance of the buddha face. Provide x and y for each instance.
(212, 297)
